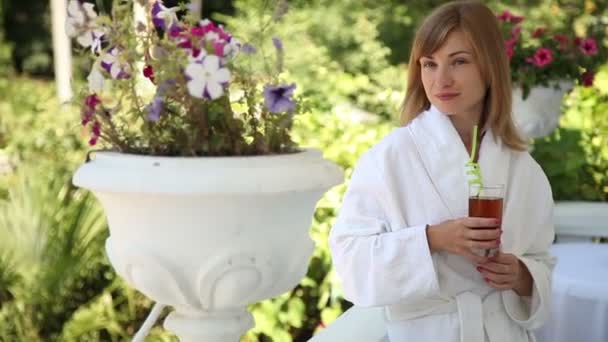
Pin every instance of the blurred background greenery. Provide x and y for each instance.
(348, 56)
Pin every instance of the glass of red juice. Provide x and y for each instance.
(486, 201)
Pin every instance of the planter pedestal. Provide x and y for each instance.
(209, 236)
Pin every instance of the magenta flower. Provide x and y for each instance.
(587, 78)
(149, 73)
(588, 46)
(508, 17)
(516, 31)
(538, 32)
(88, 110)
(542, 57)
(510, 47)
(563, 41)
(95, 133)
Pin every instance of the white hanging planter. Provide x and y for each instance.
(208, 236)
(538, 115)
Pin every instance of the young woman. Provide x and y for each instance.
(403, 240)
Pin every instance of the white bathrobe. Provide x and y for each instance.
(416, 176)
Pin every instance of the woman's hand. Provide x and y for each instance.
(506, 272)
(465, 235)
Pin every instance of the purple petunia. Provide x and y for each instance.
(155, 108)
(163, 17)
(278, 44)
(248, 49)
(277, 99)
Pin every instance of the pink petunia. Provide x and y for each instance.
(563, 41)
(508, 17)
(510, 47)
(538, 32)
(516, 31)
(149, 73)
(587, 78)
(542, 57)
(588, 46)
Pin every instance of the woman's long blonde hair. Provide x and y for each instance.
(481, 29)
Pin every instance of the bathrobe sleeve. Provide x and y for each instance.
(378, 264)
(532, 312)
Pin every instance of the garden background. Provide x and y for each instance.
(348, 56)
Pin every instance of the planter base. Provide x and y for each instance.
(208, 327)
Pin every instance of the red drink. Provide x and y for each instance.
(486, 202)
(485, 207)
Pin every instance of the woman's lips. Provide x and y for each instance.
(446, 96)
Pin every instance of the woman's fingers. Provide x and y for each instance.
(476, 244)
(480, 222)
(495, 268)
(476, 258)
(484, 234)
(498, 278)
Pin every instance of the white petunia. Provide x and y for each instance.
(80, 24)
(95, 79)
(112, 63)
(207, 79)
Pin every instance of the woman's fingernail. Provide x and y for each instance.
(479, 269)
(487, 280)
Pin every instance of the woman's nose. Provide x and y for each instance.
(444, 77)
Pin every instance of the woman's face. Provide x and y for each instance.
(451, 78)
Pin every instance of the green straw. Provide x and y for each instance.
(475, 171)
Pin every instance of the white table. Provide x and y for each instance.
(580, 294)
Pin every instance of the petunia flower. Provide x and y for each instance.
(516, 31)
(207, 79)
(232, 48)
(155, 108)
(248, 49)
(508, 17)
(163, 17)
(278, 99)
(95, 79)
(510, 47)
(542, 57)
(81, 24)
(148, 72)
(538, 32)
(89, 107)
(588, 46)
(278, 44)
(95, 133)
(112, 63)
(563, 41)
(587, 78)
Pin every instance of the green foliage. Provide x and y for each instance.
(317, 300)
(575, 157)
(333, 65)
(45, 223)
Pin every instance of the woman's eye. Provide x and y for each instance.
(460, 62)
(427, 64)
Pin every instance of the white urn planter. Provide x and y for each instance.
(208, 236)
(538, 115)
